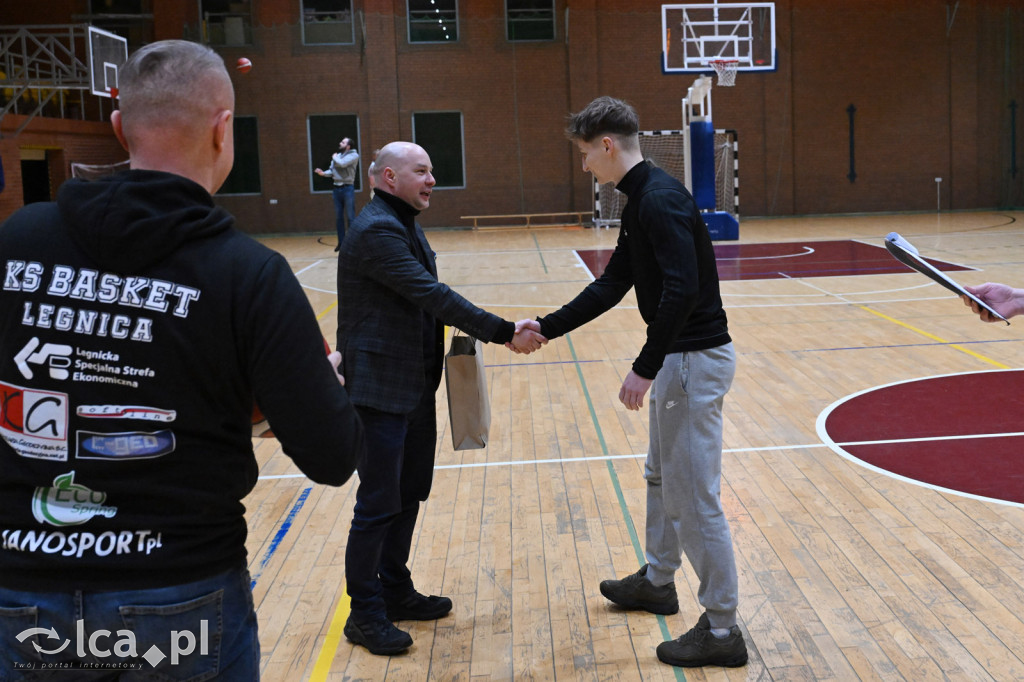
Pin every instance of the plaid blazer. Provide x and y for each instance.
(383, 291)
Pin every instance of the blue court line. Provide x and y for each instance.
(281, 532)
(902, 345)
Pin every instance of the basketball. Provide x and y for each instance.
(260, 426)
(244, 65)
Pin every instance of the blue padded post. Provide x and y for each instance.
(702, 149)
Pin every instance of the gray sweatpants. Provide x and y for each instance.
(684, 478)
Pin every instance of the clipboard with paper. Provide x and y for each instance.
(906, 253)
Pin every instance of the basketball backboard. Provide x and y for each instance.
(107, 53)
(694, 35)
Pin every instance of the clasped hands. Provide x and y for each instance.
(527, 337)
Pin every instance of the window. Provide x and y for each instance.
(325, 132)
(440, 133)
(433, 21)
(226, 22)
(327, 22)
(130, 19)
(245, 174)
(530, 19)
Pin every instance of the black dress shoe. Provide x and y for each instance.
(380, 637)
(415, 606)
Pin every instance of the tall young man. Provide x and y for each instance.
(687, 362)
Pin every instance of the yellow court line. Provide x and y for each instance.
(334, 632)
(936, 338)
(326, 655)
(326, 310)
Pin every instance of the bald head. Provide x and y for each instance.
(404, 170)
(394, 155)
(175, 107)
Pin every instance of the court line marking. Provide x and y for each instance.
(930, 258)
(540, 253)
(806, 252)
(309, 267)
(330, 647)
(823, 295)
(956, 346)
(279, 536)
(756, 449)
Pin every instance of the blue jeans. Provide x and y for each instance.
(344, 207)
(203, 630)
(395, 475)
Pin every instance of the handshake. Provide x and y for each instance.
(527, 337)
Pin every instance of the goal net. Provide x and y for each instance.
(667, 149)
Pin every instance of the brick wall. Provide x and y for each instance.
(931, 99)
(65, 142)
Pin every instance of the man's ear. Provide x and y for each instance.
(117, 125)
(220, 128)
(608, 143)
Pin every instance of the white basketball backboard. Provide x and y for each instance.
(694, 35)
(107, 53)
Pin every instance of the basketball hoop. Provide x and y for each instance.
(725, 69)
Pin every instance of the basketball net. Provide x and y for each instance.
(725, 69)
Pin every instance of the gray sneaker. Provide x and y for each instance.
(637, 592)
(699, 647)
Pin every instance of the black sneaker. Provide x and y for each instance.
(637, 592)
(380, 637)
(416, 606)
(699, 647)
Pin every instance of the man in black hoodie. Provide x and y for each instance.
(139, 328)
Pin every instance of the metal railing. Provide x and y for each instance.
(44, 70)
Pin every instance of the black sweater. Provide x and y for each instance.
(665, 251)
(138, 328)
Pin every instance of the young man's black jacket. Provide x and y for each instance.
(664, 251)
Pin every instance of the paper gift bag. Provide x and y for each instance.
(468, 405)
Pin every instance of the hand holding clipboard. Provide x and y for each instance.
(905, 253)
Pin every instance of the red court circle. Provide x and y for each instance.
(961, 433)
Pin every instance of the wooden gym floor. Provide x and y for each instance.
(847, 571)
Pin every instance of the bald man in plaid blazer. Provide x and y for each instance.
(391, 315)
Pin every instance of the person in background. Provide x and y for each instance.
(342, 172)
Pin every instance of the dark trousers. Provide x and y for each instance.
(395, 475)
(344, 207)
